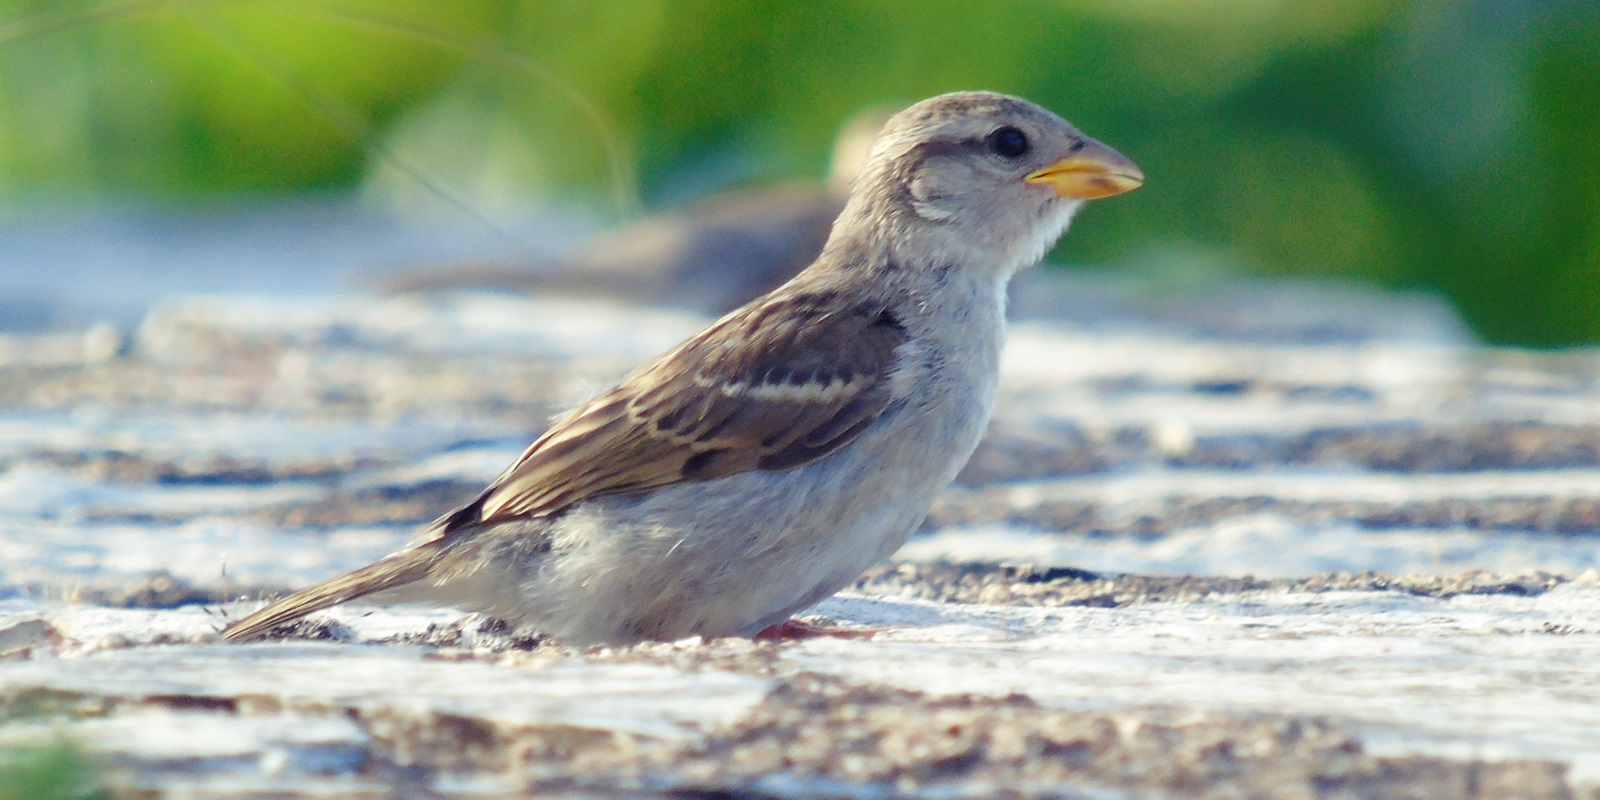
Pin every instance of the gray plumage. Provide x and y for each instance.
(764, 463)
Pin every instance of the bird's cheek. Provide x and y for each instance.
(928, 201)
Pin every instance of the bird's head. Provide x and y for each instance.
(979, 178)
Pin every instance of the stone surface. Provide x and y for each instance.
(1286, 540)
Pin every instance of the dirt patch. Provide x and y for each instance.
(821, 729)
(817, 732)
(1159, 516)
(1000, 584)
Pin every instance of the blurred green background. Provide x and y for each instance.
(1452, 146)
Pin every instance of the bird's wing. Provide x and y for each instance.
(772, 386)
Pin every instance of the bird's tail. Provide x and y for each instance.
(396, 569)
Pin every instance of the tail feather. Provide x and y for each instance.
(393, 570)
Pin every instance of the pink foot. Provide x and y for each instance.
(794, 630)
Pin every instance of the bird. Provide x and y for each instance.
(764, 463)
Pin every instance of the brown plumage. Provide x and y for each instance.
(763, 463)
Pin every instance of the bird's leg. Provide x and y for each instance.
(794, 630)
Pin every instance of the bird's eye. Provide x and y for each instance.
(1008, 142)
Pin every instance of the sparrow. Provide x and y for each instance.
(764, 463)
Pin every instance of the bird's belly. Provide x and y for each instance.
(733, 555)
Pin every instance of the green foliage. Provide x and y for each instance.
(1416, 144)
(56, 771)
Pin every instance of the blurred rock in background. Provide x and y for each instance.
(711, 256)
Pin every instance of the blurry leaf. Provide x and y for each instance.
(1449, 146)
(55, 771)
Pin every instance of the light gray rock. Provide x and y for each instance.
(1310, 542)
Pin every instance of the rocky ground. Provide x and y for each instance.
(1256, 540)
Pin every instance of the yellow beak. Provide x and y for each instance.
(1094, 172)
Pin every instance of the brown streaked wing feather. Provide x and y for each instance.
(767, 388)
